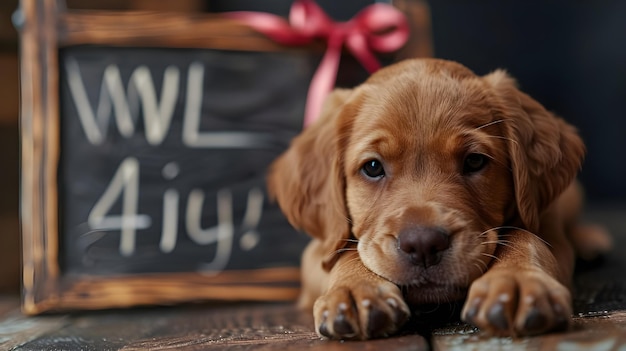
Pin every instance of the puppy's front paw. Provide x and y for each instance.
(361, 311)
(518, 303)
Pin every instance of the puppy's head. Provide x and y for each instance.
(422, 164)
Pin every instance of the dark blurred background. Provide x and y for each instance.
(568, 54)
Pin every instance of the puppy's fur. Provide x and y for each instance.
(429, 184)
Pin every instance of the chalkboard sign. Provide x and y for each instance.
(146, 138)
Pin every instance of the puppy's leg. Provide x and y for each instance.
(358, 304)
(314, 278)
(524, 292)
(590, 241)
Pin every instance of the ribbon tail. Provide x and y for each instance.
(359, 48)
(323, 81)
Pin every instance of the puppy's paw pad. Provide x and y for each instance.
(383, 318)
(517, 303)
(535, 320)
(498, 316)
(360, 313)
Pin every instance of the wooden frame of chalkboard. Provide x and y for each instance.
(46, 31)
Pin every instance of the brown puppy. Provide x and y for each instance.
(429, 184)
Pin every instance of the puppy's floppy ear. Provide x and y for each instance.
(545, 152)
(308, 179)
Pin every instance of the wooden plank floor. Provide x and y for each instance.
(191, 327)
(600, 322)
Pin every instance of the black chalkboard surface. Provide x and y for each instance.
(164, 154)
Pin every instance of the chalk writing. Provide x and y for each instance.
(157, 115)
(163, 157)
(125, 183)
(124, 104)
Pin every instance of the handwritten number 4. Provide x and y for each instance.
(125, 186)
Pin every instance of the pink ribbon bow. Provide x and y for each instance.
(377, 28)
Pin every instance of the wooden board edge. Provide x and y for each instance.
(96, 293)
(39, 152)
(175, 30)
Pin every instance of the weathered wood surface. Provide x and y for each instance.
(192, 327)
(17, 330)
(607, 332)
(265, 327)
(599, 323)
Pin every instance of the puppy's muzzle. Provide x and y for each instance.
(423, 246)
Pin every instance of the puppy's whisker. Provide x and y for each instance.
(490, 157)
(525, 231)
(498, 161)
(341, 214)
(342, 250)
(487, 231)
(503, 138)
(497, 242)
(503, 227)
(482, 266)
(504, 165)
(492, 123)
(490, 256)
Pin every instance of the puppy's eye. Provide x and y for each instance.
(474, 162)
(373, 169)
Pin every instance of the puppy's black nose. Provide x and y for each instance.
(423, 245)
